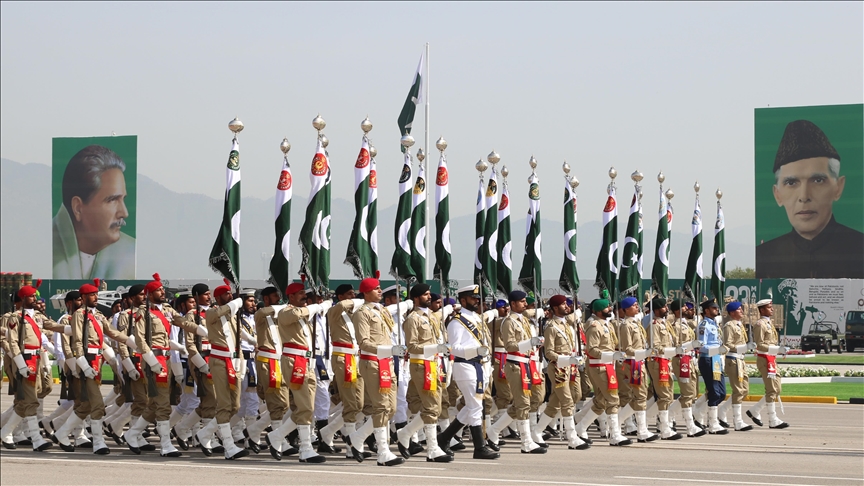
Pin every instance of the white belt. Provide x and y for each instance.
(500, 350)
(597, 362)
(205, 347)
(535, 357)
(221, 354)
(518, 359)
(96, 351)
(423, 357)
(268, 354)
(733, 355)
(296, 352)
(340, 349)
(371, 355)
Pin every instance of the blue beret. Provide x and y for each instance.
(733, 306)
(501, 303)
(435, 296)
(628, 302)
(517, 295)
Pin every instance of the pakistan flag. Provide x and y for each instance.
(225, 256)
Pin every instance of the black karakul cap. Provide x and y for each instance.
(803, 140)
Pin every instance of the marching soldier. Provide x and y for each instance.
(560, 346)
(767, 348)
(710, 364)
(735, 343)
(623, 372)
(249, 405)
(424, 398)
(65, 362)
(659, 366)
(199, 348)
(136, 399)
(503, 398)
(682, 363)
(188, 402)
(633, 343)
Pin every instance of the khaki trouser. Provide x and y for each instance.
(351, 394)
(503, 397)
(207, 405)
(604, 399)
(27, 406)
(638, 393)
(772, 385)
(521, 399)
(665, 392)
(740, 384)
(227, 400)
(625, 392)
(153, 409)
(303, 395)
(94, 406)
(560, 400)
(276, 399)
(538, 393)
(575, 384)
(381, 402)
(585, 383)
(139, 395)
(444, 394)
(426, 402)
(688, 390)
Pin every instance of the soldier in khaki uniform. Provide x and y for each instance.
(560, 346)
(633, 343)
(503, 398)
(574, 320)
(682, 328)
(295, 331)
(422, 339)
(660, 366)
(198, 348)
(600, 348)
(735, 342)
(767, 348)
(131, 376)
(374, 326)
(25, 357)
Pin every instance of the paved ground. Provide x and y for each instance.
(824, 446)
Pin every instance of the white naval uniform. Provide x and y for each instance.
(463, 344)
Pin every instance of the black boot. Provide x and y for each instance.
(319, 424)
(445, 437)
(480, 449)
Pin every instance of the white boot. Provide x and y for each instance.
(359, 435)
(537, 434)
(699, 409)
(175, 417)
(722, 409)
(624, 414)
(166, 448)
(692, 429)
(62, 435)
(573, 440)
(237, 425)
(99, 446)
(630, 427)
(433, 452)
(615, 437)
(586, 407)
(603, 425)
(773, 421)
(80, 434)
(714, 426)
(39, 444)
(528, 444)
(674, 407)
(493, 433)
(132, 436)
(276, 438)
(6, 432)
(755, 412)
(385, 457)
(347, 430)
(738, 420)
(586, 420)
(4, 417)
(231, 450)
(183, 429)
(205, 436)
(666, 432)
(328, 431)
(307, 453)
(46, 421)
(642, 432)
(405, 433)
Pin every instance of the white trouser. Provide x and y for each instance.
(188, 403)
(322, 400)
(248, 403)
(401, 394)
(472, 413)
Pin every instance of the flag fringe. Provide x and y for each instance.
(352, 259)
(223, 257)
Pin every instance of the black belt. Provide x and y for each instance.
(247, 354)
(476, 359)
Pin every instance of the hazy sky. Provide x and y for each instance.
(648, 86)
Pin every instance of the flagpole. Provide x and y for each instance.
(426, 170)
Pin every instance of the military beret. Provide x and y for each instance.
(435, 296)
(269, 291)
(599, 304)
(294, 287)
(517, 295)
(419, 289)
(72, 295)
(344, 288)
(198, 289)
(557, 300)
(28, 290)
(658, 302)
(675, 305)
(628, 302)
(368, 284)
(733, 306)
(500, 303)
(88, 288)
(137, 289)
(801, 140)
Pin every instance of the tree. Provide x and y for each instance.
(739, 272)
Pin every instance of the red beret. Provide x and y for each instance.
(222, 289)
(28, 290)
(557, 300)
(293, 288)
(154, 285)
(89, 288)
(368, 284)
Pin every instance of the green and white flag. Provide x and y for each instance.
(443, 254)
(372, 216)
(282, 252)
(225, 255)
(718, 276)
(479, 228)
(607, 260)
(400, 265)
(360, 255)
(504, 246)
(631, 258)
(415, 97)
(418, 227)
(660, 272)
(693, 274)
(530, 277)
(569, 280)
(490, 234)
(315, 233)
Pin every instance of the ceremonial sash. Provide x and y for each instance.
(717, 367)
(430, 373)
(350, 375)
(301, 363)
(684, 373)
(611, 380)
(663, 371)
(560, 376)
(772, 364)
(165, 324)
(321, 368)
(502, 358)
(98, 327)
(35, 329)
(224, 354)
(274, 375)
(635, 372)
(385, 379)
(31, 360)
(478, 370)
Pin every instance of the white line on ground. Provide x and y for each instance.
(754, 474)
(766, 446)
(713, 481)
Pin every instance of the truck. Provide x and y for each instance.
(854, 330)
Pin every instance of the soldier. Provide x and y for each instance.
(623, 372)
(374, 327)
(226, 368)
(663, 349)
(65, 362)
(23, 340)
(767, 349)
(503, 398)
(634, 343)
(422, 339)
(560, 346)
(682, 363)
(249, 387)
(600, 348)
(134, 403)
(521, 372)
(735, 343)
(199, 348)
(710, 364)
(295, 331)
(184, 413)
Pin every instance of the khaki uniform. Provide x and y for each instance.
(734, 335)
(683, 332)
(32, 386)
(559, 341)
(632, 339)
(98, 328)
(503, 397)
(765, 335)
(515, 329)
(345, 353)
(622, 370)
(298, 364)
(158, 408)
(374, 325)
(661, 338)
(600, 337)
(268, 363)
(424, 388)
(223, 356)
(538, 392)
(207, 404)
(578, 379)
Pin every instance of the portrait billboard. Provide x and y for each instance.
(809, 181)
(93, 207)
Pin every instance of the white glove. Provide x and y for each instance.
(201, 331)
(618, 356)
(235, 305)
(85, 367)
(130, 343)
(741, 349)
(714, 351)
(177, 370)
(681, 349)
(669, 352)
(525, 346)
(751, 346)
(641, 354)
(483, 351)
(22, 366)
(130, 369)
(577, 360)
(563, 361)
(444, 348)
(109, 355)
(774, 350)
(73, 367)
(326, 305)
(537, 341)
(385, 351)
(198, 362)
(152, 362)
(607, 357)
(67, 330)
(784, 350)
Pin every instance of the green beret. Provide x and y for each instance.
(599, 305)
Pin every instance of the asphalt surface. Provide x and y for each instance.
(823, 446)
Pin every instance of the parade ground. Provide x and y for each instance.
(823, 446)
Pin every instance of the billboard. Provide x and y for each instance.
(809, 180)
(93, 202)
